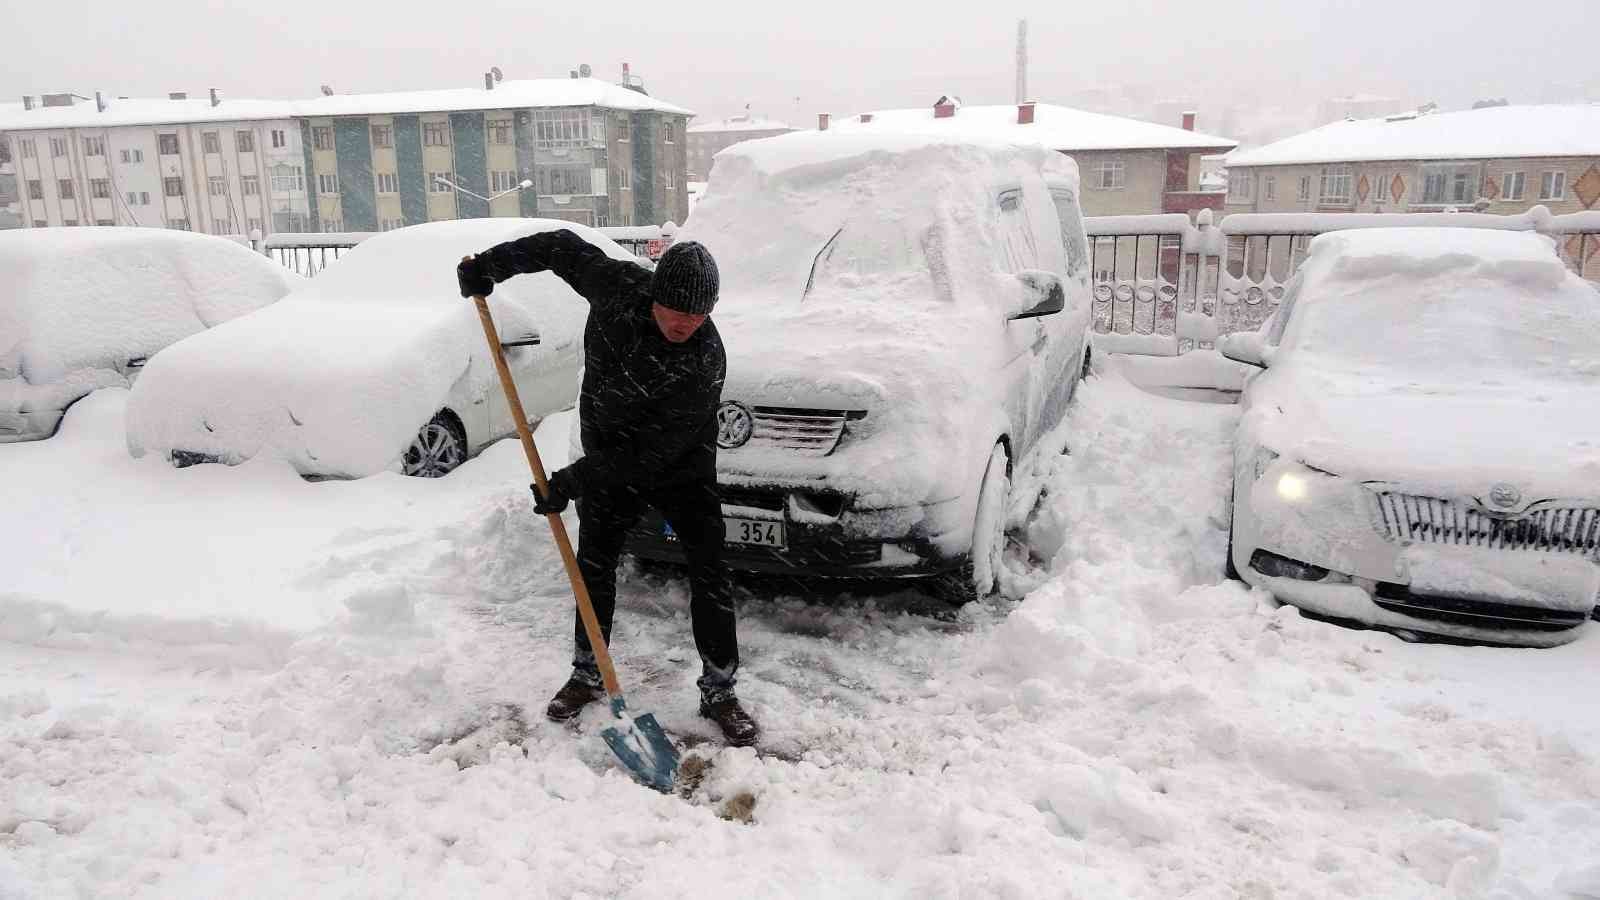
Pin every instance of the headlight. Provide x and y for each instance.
(1264, 458)
(1291, 486)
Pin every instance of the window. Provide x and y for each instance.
(553, 128)
(93, 146)
(1553, 186)
(1071, 218)
(244, 141)
(217, 186)
(287, 179)
(178, 224)
(210, 142)
(1375, 187)
(1269, 187)
(1016, 233)
(64, 188)
(279, 139)
(35, 189)
(40, 223)
(669, 181)
(435, 134)
(1449, 183)
(144, 198)
(624, 128)
(391, 224)
(330, 226)
(382, 136)
(439, 183)
(1240, 185)
(70, 223)
(499, 131)
(1336, 184)
(1110, 174)
(133, 156)
(58, 146)
(388, 183)
(502, 181)
(322, 138)
(27, 149)
(250, 185)
(5, 152)
(327, 184)
(624, 178)
(667, 130)
(132, 198)
(100, 188)
(254, 225)
(564, 180)
(104, 222)
(167, 144)
(172, 187)
(597, 131)
(1513, 185)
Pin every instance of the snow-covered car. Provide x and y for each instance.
(377, 364)
(1422, 451)
(904, 318)
(84, 308)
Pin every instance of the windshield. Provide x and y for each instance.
(1444, 328)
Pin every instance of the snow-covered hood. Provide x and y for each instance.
(1445, 439)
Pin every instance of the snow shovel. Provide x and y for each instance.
(639, 743)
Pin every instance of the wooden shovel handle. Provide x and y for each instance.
(591, 625)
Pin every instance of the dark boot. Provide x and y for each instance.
(736, 724)
(577, 693)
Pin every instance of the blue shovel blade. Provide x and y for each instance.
(643, 749)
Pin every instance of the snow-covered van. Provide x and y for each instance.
(84, 308)
(904, 318)
(1422, 450)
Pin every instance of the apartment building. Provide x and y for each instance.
(593, 152)
(1503, 159)
(1128, 167)
(707, 139)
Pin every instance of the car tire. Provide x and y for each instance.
(975, 579)
(438, 449)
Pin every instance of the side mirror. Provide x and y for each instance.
(1248, 347)
(528, 339)
(1042, 294)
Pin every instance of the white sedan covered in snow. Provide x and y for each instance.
(376, 364)
(904, 319)
(1422, 451)
(84, 308)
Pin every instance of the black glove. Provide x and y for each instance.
(563, 489)
(472, 274)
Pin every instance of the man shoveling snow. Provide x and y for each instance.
(653, 373)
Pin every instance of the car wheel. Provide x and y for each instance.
(439, 447)
(978, 576)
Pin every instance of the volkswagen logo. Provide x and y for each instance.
(1505, 496)
(734, 425)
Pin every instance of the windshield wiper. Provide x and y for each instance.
(811, 276)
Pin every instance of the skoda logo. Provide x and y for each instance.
(1505, 496)
(733, 425)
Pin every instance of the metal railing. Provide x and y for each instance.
(1164, 286)
(309, 253)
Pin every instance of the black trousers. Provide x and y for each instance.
(694, 512)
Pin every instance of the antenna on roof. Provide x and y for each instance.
(584, 71)
(498, 75)
(327, 91)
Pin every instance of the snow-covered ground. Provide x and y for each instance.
(232, 682)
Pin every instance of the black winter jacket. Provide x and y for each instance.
(648, 406)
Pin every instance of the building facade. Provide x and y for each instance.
(591, 152)
(1126, 166)
(707, 139)
(1498, 160)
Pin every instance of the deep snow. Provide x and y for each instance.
(230, 682)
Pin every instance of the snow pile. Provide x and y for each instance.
(338, 377)
(78, 304)
(871, 273)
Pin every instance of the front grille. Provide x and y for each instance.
(1429, 520)
(753, 498)
(183, 459)
(1479, 613)
(814, 432)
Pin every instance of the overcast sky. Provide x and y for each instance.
(793, 60)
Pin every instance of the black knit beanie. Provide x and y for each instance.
(685, 279)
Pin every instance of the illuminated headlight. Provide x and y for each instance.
(1291, 486)
(1264, 458)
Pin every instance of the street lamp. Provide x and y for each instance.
(522, 185)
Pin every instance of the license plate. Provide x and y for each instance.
(750, 532)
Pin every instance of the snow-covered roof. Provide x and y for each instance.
(1056, 127)
(1492, 133)
(741, 123)
(543, 92)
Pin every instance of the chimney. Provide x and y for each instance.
(214, 98)
(572, 73)
(1025, 112)
(27, 102)
(1188, 121)
(822, 121)
(944, 109)
(178, 95)
(865, 118)
(99, 102)
(488, 81)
